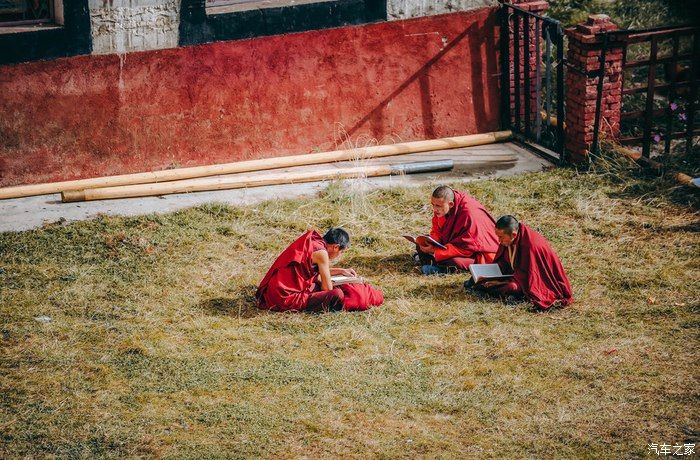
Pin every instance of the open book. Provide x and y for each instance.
(487, 272)
(341, 279)
(424, 240)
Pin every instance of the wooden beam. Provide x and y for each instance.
(258, 165)
(234, 182)
(679, 177)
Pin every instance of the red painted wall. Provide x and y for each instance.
(102, 115)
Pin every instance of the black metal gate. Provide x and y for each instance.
(661, 73)
(532, 78)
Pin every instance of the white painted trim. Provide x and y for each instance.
(236, 6)
(58, 12)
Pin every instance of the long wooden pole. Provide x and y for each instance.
(257, 165)
(552, 119)
(679, 177)
(225, 183)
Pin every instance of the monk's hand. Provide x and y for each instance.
(490, 284)
(428, 249)
(349, 272)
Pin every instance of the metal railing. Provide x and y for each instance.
(533, 105)
(657, 107)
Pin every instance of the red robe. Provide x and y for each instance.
(290, 280)
(293, 277)
(536, 269)
(359, 297)
(468, 231)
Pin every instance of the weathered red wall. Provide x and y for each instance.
(102, 115)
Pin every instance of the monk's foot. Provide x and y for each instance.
(472, 287)
(433, 270)
(315, 310)
(513, 300)
(416, 259)
(557, 304)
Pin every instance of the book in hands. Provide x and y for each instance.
(424, 240)
(487, 272)
(342, 279)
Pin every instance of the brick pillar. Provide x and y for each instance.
(583, 57)
(537, 7)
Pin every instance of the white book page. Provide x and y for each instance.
(341, 279)
(480, 271)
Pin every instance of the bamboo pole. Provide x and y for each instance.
(257, 165)
(226, 183)
(637, 156)
(552, 119)
(632, 154)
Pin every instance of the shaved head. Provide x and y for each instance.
(507, 230)
(337, 236)
(444, 193)
(508, 224)
(337, 240)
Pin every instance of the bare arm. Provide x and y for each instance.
(428, 249)
(343, 272)
(320, 258)
(492, 284)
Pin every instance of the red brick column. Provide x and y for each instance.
(583, 57)
(537, 7)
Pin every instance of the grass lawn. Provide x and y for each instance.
(156, 350)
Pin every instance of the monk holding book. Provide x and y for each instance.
(463, 229)
(302, 277)
(537, 272)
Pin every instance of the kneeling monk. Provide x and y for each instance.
(464, 226)
(538, 274)
(300, 278)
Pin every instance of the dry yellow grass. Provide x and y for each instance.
(155, 348)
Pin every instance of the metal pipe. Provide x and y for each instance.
(599, 95)
(258, 165)
(560, 93)
(236, 182)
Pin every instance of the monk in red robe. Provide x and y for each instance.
(300, 278)
(464, 226)
(538, 274)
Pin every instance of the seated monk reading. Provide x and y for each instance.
(538, 274)
(300, 278)
(464, 226)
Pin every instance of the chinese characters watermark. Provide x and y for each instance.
(671, 449)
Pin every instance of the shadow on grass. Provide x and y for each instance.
(649, 185)
(241, 304)
(660, 189)
(451, 288)
(402, 263)
(691, 227)
(230, 307)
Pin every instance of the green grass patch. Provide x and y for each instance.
(155, 348)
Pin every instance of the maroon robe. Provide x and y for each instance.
(468, 231)
(359, 297)
(289, 282)
(537, 270)
(293, 277)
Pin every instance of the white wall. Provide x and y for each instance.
(404, 9)
(120, 26)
